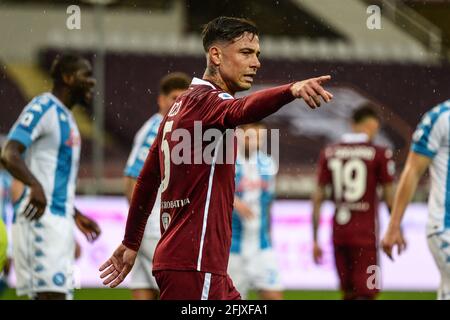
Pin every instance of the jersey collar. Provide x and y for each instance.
(198, 81)
(355, 138)
(52, 97)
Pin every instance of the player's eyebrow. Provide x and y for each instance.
(250, 50)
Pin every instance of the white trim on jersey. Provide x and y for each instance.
(206, 286)
(198, 81)
(208, 199)
(354, 137)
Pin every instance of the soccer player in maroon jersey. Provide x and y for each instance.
(354, 168)
(191, 259)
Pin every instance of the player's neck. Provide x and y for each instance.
(63, 95)
(212, 75)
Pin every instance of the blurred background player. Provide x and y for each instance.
(43, 151)
(142, 283)
(430, 148)
(252, 263)
(354, 168)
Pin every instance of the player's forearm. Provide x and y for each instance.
(259, 105)
(388, 195)
(317, 200)
(130, 183)
(16, 166)
(405, 191)
(142, 201)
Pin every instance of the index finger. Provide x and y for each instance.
(105, 265)
(323, 78)
(126, 269)
(388, 251)
(97, 229)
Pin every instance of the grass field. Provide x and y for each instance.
(124, 294)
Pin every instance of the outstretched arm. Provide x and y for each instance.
(257, 106)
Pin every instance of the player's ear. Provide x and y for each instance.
(215, 55)
(68, 78)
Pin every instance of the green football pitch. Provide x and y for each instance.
(124, 294)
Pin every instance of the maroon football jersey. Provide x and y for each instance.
(197, 198)
(354, 168)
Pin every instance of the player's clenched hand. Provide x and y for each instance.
(317, 253)
(311, 90)
(36, 206)
(116, 268)
(392, 238)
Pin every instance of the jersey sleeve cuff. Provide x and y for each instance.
(423, 151)
(21, 136)
(131, 172)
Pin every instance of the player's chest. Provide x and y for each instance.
(66, 136)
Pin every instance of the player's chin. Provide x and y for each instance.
(87, 99)
(245, 85)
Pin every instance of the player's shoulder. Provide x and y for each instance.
(153, 122)
(149, 128)
(266, 163)
(435, 114)
(382, 150)
(329, 149)
(202, 89)
(41, 103)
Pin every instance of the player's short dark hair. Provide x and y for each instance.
(362, 113)
(226, 29)
(66, 63)
(174, 81)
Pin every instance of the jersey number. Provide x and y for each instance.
(166, 155)
(349, 179)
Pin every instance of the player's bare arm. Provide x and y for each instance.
(130, 184)
(15, 164)
(415, 167)
(388, 195)
(317, 199)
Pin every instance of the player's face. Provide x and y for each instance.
(83, 85)
(373, 126)
(165, 101)
(239, 62)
